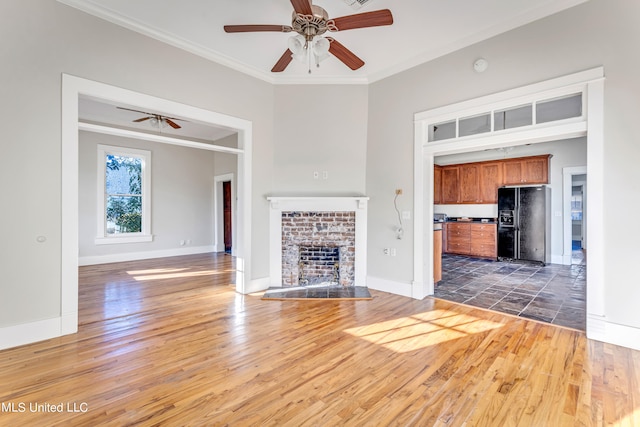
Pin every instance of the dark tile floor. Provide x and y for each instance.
(553, 293)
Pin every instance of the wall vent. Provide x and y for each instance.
(356, 4)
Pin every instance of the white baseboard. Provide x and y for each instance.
(27, 333)
(599, 329)
(390, 286)
(561, 259)
(135, 256)
(258, 285)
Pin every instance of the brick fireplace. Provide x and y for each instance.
(318, 240)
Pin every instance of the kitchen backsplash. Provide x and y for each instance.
(472, 211)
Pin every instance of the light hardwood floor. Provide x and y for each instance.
(169, 342)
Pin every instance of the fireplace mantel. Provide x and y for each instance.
(310, 203)
(280, 204)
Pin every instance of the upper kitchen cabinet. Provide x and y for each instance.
(491, 178)
(450, 185)
(526, 170)
(478, 182)
(470, 183)
(437, 184)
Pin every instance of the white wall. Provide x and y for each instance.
(40, 40)
(320, 128)
(599, 32)
(181, 200)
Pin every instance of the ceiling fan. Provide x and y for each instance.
(311, 22)
(156, 119)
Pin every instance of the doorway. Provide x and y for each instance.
(224, 218)
(590, 123)
(577, 212)
(72, 89)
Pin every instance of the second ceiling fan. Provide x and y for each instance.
(311, 22)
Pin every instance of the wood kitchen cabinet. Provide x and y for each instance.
(469, 183)
(437, 256)
(484, 240)
(491, 179)
(458, 238)
(473, 239)
(478, 182)
(527, 170)
(437, 185)
(450, 185)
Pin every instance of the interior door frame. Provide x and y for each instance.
(592, 126)
(72, 88)
(218, 214)
(567, 175)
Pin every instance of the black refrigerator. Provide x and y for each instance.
(524, 229)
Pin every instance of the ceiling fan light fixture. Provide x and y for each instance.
(297, 45)
(321, 47)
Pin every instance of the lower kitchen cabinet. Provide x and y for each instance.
(437, 256)
(458, 238)
(484, 240)
(473, 239)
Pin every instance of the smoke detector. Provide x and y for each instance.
(356, 4)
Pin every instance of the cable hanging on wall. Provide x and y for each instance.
(399, 230)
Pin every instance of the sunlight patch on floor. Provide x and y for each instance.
(631, 419)
(422, 330)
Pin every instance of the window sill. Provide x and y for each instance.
(116, 240)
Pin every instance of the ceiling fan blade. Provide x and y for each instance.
(137, 111)
(172, 123)
(376, 18)
(282, 63)
(302, 6)
(255, 28)
(142, 119)
(345, 55)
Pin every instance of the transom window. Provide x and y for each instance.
(537, 112)
(123, 195)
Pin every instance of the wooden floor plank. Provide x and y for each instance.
(169, 342)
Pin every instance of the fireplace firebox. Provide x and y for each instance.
(317, 238)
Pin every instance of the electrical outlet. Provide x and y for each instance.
(393, 251)
(386, 251)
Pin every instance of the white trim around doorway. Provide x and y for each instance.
(72, 88)
(591, 84)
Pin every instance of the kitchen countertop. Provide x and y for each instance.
(470, 220)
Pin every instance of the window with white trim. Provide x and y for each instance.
(124, 182)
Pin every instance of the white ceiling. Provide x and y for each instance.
(422, 30)
(103, 113)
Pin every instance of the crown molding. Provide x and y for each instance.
(113, 17)
(196, 49)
